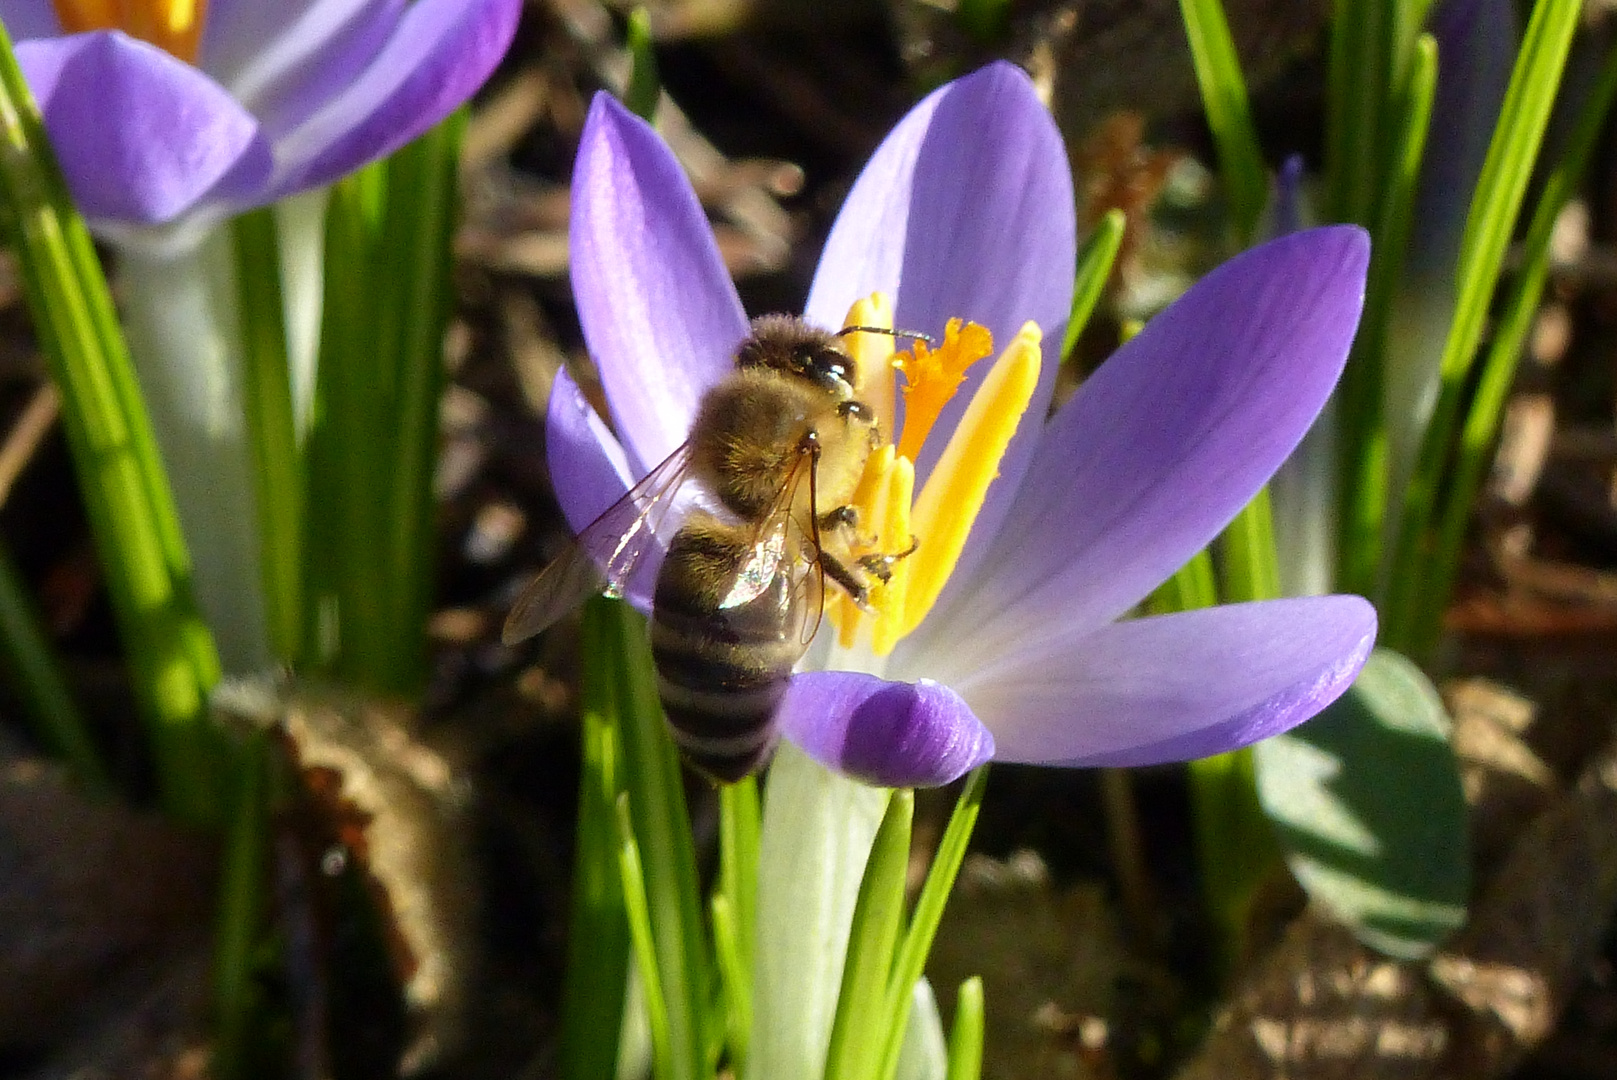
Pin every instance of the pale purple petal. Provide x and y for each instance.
(590, 472)
(1173, 687)
(864, 252)
(966, 210)
(26, 19)
(588, 468)
(141, 136)
(892, 734)
(1166, 442)
(441, 51)
(659, 313)
(284, 60)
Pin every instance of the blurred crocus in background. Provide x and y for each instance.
(168, 118)
(179, 114)
(1476, 45)
(966, 212)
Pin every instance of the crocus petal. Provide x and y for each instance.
(26, 19)
(141, 136)
(657, 307)
(1173, 687)
(440, 52)
(284, 60)
(1164, 444)
(590, 472)
(588, 468)
(917, 734)
(965, 210)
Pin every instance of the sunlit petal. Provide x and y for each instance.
(659, 313)
(141, 137)
(1169, 688)
(1166, 442)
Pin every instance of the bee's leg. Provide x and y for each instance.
(843, 517)
(837, 572)
(880, 567)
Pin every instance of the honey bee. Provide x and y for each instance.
(741, 590)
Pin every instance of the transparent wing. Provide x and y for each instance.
(786, 542)
(808, 571)
(603, 557)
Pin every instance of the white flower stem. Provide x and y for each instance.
(184, 336)
(818, 827)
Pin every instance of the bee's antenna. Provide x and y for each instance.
(889, 332)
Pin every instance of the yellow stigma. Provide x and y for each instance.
(891, 517)
(175, 26)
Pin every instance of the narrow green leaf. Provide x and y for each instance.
(1360, 69)
(171, 654)
(929, 905)
(33, 673)
(1094, 270)
(1251, 566)
(1486, 410)
(637, 905)
(415, 272)
(1367, 803)
(1494, 208)
(242, 905)
(598, 938)
(858, 1030)
(1229, 113)
(348, 467)
(374, 438)
(1235, 845)
(966, 1036)
(651, 774)
(640, 97)
(1192, 586)
(267, 393)
(738, 890)
(735, 982)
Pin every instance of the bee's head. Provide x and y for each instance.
(792, 346)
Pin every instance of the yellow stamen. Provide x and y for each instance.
(894, 531)
(884, 497)
(955, 491)
(870, 499)
(931, 378)
(175, 26)
(874, 355)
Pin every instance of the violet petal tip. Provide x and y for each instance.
(890, 734)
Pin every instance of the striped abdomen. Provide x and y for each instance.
(721, 672)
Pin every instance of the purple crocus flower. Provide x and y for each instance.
(161, 111)
(966, 211)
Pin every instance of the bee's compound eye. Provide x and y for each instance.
(829, 367)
